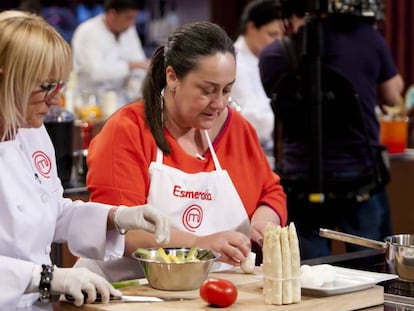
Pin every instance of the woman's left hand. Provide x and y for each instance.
(261, 217)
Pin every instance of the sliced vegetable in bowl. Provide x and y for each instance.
(176, 255)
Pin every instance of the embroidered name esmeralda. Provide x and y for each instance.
(180, 193)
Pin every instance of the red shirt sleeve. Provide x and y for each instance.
(119, 157)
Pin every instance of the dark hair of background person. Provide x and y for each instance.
(182, 52)
(36, 6)
(90, 3)
(60, 3)
(297, 7)
(261, 12)
(122, 5)
(32, 6)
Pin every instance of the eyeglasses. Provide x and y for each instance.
(51, 89)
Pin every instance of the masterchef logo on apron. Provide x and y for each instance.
(192, 217)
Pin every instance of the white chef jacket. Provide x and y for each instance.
(248, 92)
(34, 214)
(100, 61)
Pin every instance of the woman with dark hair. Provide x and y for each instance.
(183, 149)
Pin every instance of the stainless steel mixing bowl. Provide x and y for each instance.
(175, 276)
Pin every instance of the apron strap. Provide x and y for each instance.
(210, 146)
(159, 156)
(213, 153)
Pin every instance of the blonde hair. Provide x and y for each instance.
(31, 53)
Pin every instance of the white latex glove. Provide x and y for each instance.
(75, 282)
(145, 217)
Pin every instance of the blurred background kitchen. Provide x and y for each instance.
(82, 115)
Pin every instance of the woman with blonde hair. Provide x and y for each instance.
(35, 62)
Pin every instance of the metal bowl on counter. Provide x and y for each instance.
(175, 269)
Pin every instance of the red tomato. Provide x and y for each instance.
(218, 292)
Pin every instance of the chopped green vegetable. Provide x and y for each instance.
(163, 255)
(204, 254)
(174, 258)
(143, 253)
(180, 255)
(192, 254)
(127, 283)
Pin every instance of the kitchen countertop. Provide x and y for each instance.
(250, 296)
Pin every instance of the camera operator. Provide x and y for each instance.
(354, 58)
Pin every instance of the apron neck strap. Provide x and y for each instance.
(210, 146)
(159, 156)
(213, 153)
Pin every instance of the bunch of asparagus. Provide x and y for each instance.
(281, 265)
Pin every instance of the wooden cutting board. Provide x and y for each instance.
(249, 296)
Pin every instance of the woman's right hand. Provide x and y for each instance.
(234, 247)
(79, 281)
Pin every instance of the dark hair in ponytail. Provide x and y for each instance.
(154, 83)
(182, 52)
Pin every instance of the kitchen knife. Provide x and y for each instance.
(129, 298)
(148, 299)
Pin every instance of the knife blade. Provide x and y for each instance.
(128, 298)
(148, 299)
(137, 299)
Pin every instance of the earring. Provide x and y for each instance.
(172, 89)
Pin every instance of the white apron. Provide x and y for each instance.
(202, 203)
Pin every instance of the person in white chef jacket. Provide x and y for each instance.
(260, 24)
(108, 55)
(34, 62)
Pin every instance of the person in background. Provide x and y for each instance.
(86, 9)
(261, 23)
(354, 50)
(60, 15)
(108, 55)
(34, 62)
(185, 151)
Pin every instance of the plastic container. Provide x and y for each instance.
(394, 133)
